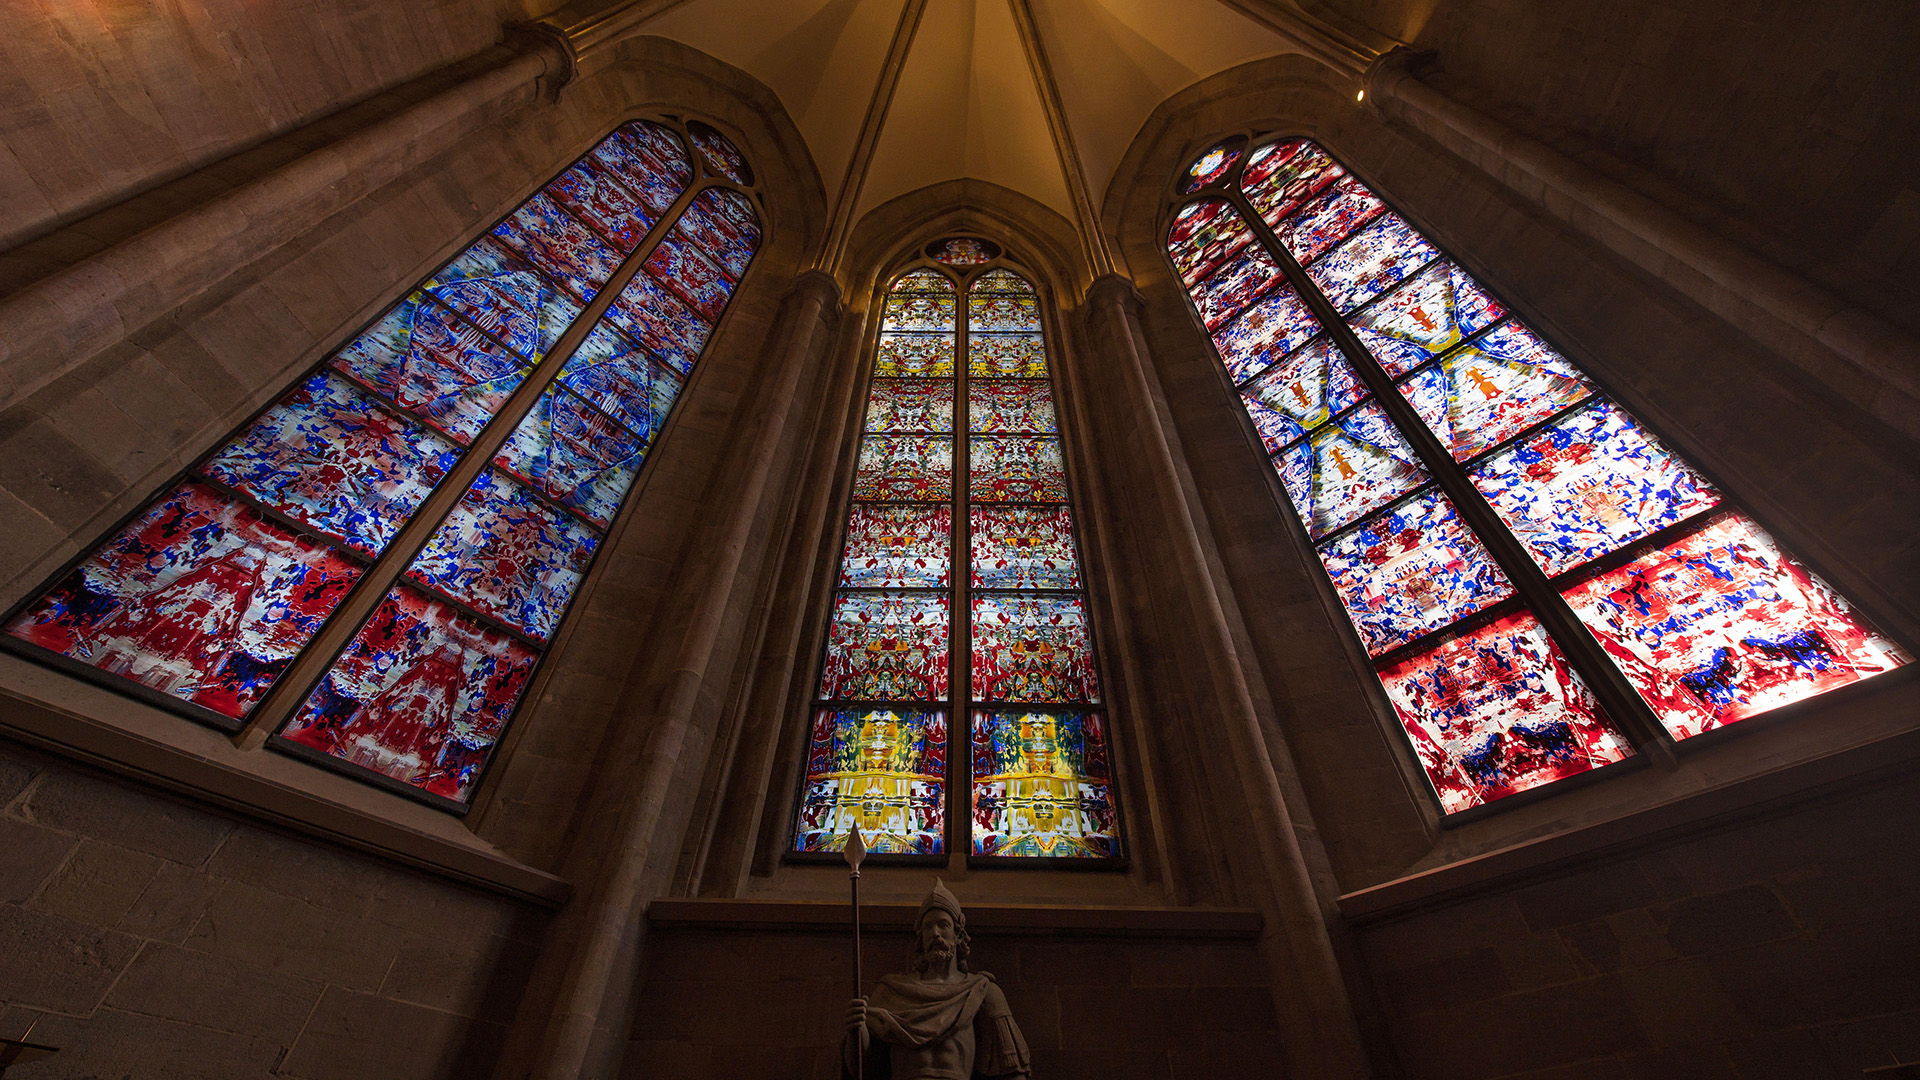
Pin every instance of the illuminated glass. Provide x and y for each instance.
(882, 769)
(1041, 788)
(1713, 624)
(1211, 167)
(1721, 625)
(216, 587)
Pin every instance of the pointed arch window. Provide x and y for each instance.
(960, 593)
(461, 460)
(1540, 582)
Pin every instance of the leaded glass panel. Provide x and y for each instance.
(887, 646)
(1042, 786)
(898, 547)
(882, 769)
(1713, 624)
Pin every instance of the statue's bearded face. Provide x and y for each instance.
(939, 938)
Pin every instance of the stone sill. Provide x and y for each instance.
(1026, 920)
(1760, 796)
(61, 714)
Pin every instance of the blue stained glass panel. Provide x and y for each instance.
(678, 264)
(1023, 547)
(661, 322)
(1042, 786)
(1209, 167)
(574, 454)
(423, 358)
(1227, 293)
(1486, 393)
(1498, 710)
(1425, 317)
(649, 159)
(199, 598)
(1370, 262)
(1327, 219)
(1347, 469)
(420, 695)
(331, 459)
(1588, 484)
(884, 770)
(1012, 469)
(1275, 325)
(506, 554)
(505, 297)
(1301, 393)
(722, 221)
(559, 246)
(608, 208)
(608, 372)
(1411, 571)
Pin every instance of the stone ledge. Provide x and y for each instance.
(1035, 920)
(1758, 797)
(56, 712)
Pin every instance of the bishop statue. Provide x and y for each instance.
(938, 1021)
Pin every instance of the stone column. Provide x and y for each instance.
(1322, 1038)
(1857, 355)
(574, 1020)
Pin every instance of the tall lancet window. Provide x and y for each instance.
(459, 462)
(1540, 582)
(960, 594)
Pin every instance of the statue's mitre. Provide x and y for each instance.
(942, 900)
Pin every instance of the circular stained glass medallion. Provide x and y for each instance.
(1211, 167)
(963, 251)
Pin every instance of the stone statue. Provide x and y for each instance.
(938, 1021)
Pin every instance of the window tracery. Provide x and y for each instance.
(1540, 583)
(209, 595)
(960, 585)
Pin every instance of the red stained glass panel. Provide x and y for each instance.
(199, 598)
(1228, 292)
(420, 695)
(1010, 406)
(1281, 176)
(1722, 625)
(1016, 356)
(1205, 235)
(1497, 710)
(1411, 571)
(898, 547)
(1327, 219)
(924, 405)
(559, 245)
(1426, 316)
(1012, 469)
(1023, 547)
(678, 264)
(590, 193)
(886, 646)
(1033, 648)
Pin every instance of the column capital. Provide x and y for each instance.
(1115, 289)
(817, 285)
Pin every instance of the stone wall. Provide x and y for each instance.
(1778, 947)
(148, 937)
(105, 100)
(719, 1005)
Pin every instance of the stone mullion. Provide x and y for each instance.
(319, 654)
(1624, 705)
(960, 680)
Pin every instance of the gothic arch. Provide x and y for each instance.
(1651, 347)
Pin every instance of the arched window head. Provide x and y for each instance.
(454, 468)
(1540, 582)
(966, 593)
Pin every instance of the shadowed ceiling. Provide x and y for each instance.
(968, 105)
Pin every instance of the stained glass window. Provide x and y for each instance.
(600, 290)
(1411, 418)
(960, 594)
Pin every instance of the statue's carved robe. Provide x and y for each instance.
(903, 1011)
